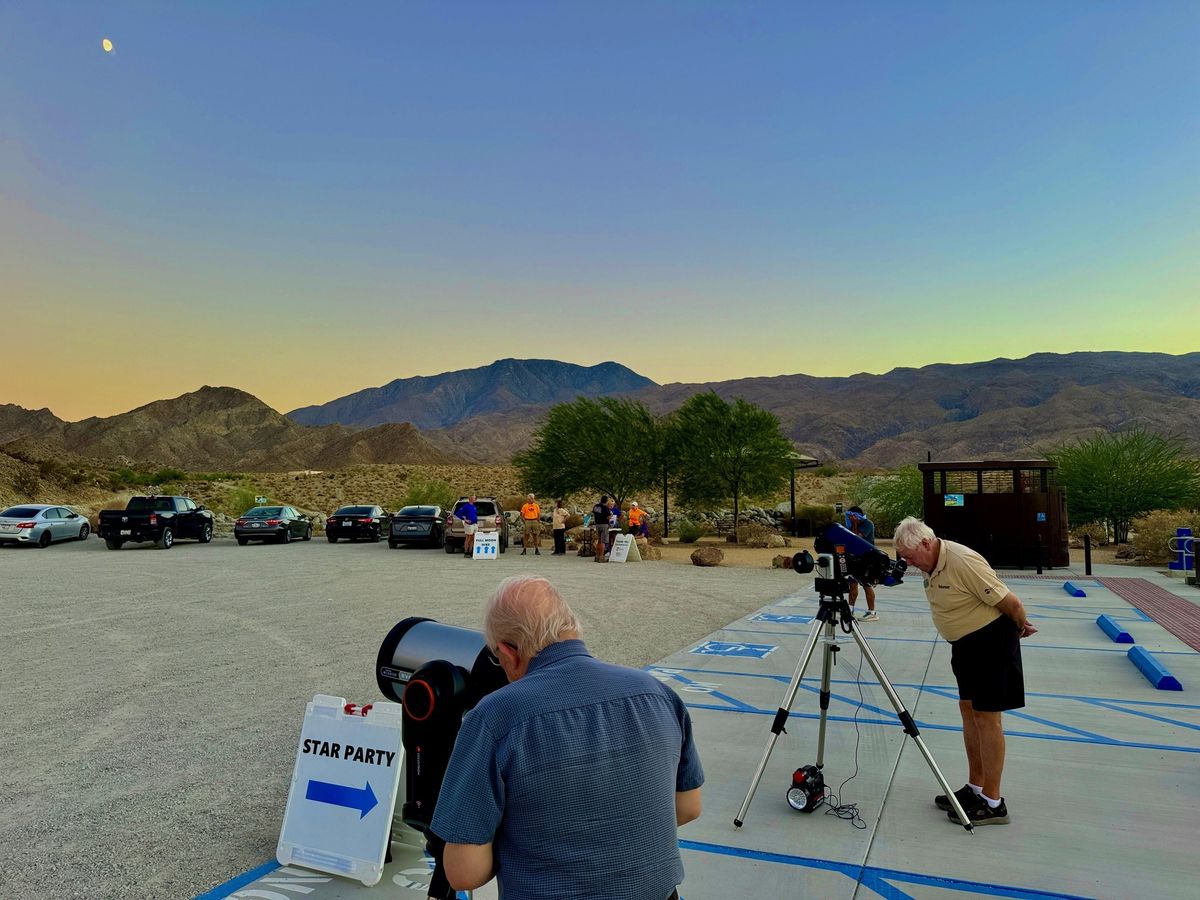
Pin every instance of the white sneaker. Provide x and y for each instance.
(869, 616)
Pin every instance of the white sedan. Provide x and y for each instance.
(41, 525)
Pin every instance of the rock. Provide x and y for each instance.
(781, 562)
(707, 556)
(1126, 551)
(776, 541)
(647, 551)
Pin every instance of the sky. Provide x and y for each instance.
(306, 199)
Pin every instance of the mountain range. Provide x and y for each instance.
(996, 409)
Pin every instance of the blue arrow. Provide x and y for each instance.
(362, 799)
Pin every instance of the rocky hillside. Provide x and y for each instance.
(998, 408)
(223, 429)
(440, 401)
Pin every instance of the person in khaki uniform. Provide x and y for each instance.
(984, 622)
(531, 518)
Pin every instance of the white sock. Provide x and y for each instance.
(977, 788)
(992, 804)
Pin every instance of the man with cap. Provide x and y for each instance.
(531, 518)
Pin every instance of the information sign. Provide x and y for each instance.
(952, 499)
(343, 791)
(624, 549)
(487, 545)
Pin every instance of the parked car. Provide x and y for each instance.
(491, 518)
(41, 525)
(418, 525)
(272, 523)
(355, 523)
(162, 520)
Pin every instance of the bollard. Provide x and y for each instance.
(1039, 554)
(1087, 554)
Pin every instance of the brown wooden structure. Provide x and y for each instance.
(1010, 511)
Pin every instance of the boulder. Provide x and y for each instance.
(647, 551)
(707, 556)
(781, 562)
(777, 541)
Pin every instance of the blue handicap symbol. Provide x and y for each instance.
(781, 619)
(725, 648)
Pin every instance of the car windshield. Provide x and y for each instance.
(419, 511)
(19, 512)
(151, 504)
(264, 512)
(354, 511)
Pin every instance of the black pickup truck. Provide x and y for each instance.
(162, 520)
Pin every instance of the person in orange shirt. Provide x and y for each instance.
(637, 519)
(531, 518)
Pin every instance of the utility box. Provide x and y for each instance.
(1010, 511)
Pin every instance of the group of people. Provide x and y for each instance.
(617, 745)
(605, 521)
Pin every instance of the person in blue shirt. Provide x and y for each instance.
(570, 782)
(470, 518)
(857, 521)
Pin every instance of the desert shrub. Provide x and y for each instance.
(216, 476)
(237, 501)
(689, 531)
(1150, 533)
(818, 515)
(166, 476)
(514, 502)
(50, 469)
(421, 490)
(1095, 530)
(27, 481)
(825, 471)
(755, 535)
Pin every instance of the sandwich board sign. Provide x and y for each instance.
(487, 545)
(624, 549)
(343, 792)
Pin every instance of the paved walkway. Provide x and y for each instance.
(1102, 776)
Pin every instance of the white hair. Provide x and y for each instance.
(529, 613)
(911, 532)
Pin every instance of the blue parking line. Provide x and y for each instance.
(1145, 715)
(877, 879)
(1025, 645)
(738, 704)
(1018, 714)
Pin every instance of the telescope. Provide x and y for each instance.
(842, 555)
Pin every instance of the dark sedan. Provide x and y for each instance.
(272, 523)
(356, 523)
(425, 525)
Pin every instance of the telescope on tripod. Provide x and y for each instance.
(842, 555)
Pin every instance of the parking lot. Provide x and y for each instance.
(152, 699)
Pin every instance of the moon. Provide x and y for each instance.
(107, 45)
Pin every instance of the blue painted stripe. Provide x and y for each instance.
(1025, 645)
(786, 679)
(1018, 714)
(234, 884)
(1146, 715)
(928, 726)
(875, 875)
(738, 704)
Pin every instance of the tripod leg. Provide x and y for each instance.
(910, 727)
(781, 716)
(826, 673)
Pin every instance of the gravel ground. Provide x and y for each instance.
(152, 699)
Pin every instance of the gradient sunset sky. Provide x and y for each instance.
(305, 199)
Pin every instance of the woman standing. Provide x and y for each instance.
(558, 521)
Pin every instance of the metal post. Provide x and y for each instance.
(1087, 554)
(1039, 554)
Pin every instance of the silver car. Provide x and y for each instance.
(41, 525)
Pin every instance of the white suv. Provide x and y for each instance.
(490, 517)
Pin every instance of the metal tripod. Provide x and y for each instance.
(824, 629)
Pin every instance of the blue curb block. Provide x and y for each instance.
(1110, 627)
(1156, 673)
(1072, 590)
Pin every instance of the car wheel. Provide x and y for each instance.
(44, 540)
(285, 536)
(84, 532)
(449, 546)
(375, 536)
(206, 534)
(308, 534)
(166, 541)
(113, 545)
(504, 544)
(392, 545)
(331, 538)
(242, 542)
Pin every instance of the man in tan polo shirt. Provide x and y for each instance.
(983, 621)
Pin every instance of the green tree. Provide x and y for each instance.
(607, 445)
(421, 490)
(1114, 478)
(728, 450)
(889, 498)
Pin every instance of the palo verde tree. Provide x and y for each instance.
(1114, 478)
(728, 450)
(890, 498)
(608, 445)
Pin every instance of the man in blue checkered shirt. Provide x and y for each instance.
(571, 781)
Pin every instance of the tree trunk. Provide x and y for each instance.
(735, 516)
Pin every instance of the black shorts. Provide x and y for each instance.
(987, 664)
